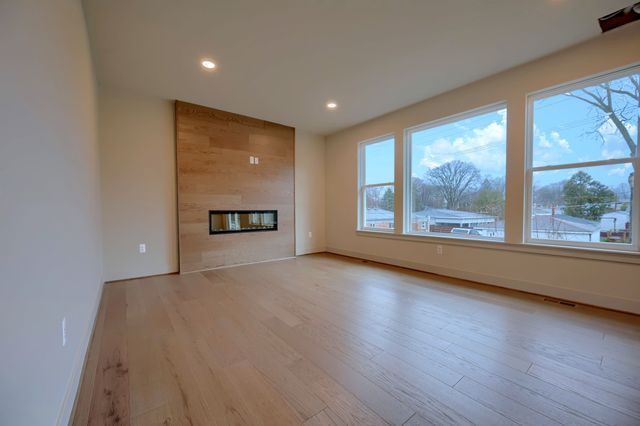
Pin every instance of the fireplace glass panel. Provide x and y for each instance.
(230, 221)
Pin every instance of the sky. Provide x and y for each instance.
(563, 133)
(480, 140)
(380, 160)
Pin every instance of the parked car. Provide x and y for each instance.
(467, 231)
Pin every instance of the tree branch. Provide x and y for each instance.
(583, 100)
(625, 92)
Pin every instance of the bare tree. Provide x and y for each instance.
(425, 195)
(550, 195)
(602, 98)
(454, 180)
(373, 197)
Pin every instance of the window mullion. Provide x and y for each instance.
(583, 164)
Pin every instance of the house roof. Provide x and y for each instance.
(441, 215)
(455, 215)
(563, 223)
(379, 215)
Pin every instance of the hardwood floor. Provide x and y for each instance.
(324, 340)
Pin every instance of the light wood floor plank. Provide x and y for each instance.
(628, 406)
(87, 386)
(110, 399)
(384, 404)
(329, 340)
(347, 408)
(508, 407)
(323, 418)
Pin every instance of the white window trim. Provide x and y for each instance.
(407, 162)
(530, 169)
(362, 187)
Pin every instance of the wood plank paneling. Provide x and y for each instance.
(212, 152)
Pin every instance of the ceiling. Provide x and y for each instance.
(282, 60)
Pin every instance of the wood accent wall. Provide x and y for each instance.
(214, 173)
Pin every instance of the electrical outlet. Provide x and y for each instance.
(310, 234)
(251, 160)
(64, 331)
(439, 250)
(256, 160)
(142, 248)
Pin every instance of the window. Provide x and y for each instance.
(377, 184)
(582, 149)
(456, 169)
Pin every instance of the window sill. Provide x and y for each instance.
(378, 231)
(542, 249)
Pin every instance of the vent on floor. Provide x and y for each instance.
(560, 302)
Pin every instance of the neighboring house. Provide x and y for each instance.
(544, 224)
(379, 218)
(434, 220)
(547, 210)
(615, 227)
(564, 227)
(444, 220)
(614, 221)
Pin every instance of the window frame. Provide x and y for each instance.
(362, 185)
(407, 169)
(530, 169)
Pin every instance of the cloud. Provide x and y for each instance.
(620, 171)
(543, 142)
(485, 147)
(552, 140)
(562, 143)
(614, 153)
(614, 145)
(549, 147)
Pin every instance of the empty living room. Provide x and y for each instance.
(319, 212)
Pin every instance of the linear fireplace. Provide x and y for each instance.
(232, 221)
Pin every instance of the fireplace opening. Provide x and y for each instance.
(232, 221)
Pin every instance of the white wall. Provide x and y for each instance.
(50, 250)
(310, 193)
(137, 157)
(602, 283)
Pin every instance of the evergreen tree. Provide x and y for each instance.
(587, 198)
(387, 200)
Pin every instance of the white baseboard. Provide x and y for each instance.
(605, 301)
(73, 386)
(304, 251)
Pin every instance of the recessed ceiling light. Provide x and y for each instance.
(332, 105)
(208, 64)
